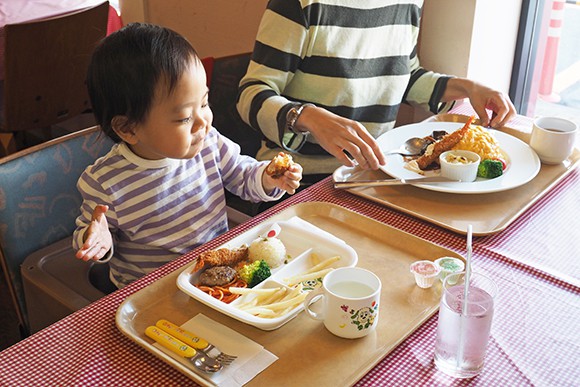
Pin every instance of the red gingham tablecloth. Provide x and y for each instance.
(534, 338)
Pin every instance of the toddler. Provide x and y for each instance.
(159, 192)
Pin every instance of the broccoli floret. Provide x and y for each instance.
(489, 169)
(255, 272)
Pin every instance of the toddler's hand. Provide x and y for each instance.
(98, 239)
(290, 181)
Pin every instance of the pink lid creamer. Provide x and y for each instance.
(425, 268)
(426, 272)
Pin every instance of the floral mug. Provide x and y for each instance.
(350, 302)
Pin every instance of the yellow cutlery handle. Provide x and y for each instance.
(187, 337)
(170, 342)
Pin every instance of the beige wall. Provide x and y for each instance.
(214, 27)
(471, 38)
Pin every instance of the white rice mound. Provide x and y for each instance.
(271, 250)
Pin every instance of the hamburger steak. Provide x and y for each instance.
(217, 276)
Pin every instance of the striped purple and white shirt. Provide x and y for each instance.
(160, 209)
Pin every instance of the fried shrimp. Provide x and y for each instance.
(221, 257)
(446, 143)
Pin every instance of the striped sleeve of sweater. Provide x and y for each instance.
(356, 59)
(160, 209)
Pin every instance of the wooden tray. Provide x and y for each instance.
(308, 353)
(488, 213)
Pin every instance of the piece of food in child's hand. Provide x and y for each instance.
(217, 276)
(279, 165)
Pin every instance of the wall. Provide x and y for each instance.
(471, 38)
(214, 27)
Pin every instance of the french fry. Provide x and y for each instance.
(276, 296)
(276, 302)
(272, 305)
(306, 277)
(292, 293)
(260, 295)
(324, 264)
(315, 259)
(292, 302)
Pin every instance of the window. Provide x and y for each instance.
(546, 73)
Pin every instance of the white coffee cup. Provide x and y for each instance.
(553, 139)
(350, 302)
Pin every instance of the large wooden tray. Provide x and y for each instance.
(488, 213)
(308, 353)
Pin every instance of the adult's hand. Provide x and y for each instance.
(338, 135)
(481, 98)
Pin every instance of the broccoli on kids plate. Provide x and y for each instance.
(255, 272)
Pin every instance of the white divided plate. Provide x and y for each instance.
(523, 162)
(301, 239)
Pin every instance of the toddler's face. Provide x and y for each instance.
(177, 124)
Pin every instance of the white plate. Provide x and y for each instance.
(301, 239)
(523, 162)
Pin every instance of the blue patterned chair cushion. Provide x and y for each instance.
(39, 201)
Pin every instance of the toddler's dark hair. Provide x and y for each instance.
(126, 67)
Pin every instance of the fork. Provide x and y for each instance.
(196, 342)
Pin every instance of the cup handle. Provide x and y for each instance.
(311, 298)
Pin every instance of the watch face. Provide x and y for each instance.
(291, 117)
(292, 113)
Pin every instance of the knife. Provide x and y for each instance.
(379, 183)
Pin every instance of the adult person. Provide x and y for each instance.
(328, 77)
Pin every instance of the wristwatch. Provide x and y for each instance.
(293, 115)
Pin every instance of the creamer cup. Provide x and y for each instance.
(449, 265)
(426, 272)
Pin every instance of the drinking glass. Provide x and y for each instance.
(463, 331)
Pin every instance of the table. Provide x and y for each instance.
(534, 338)
(19, 11)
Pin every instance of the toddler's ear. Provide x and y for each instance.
(124, 129)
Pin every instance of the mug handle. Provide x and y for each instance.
(311, 298)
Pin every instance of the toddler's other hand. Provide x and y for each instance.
(98, 239)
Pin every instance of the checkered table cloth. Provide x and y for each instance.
(534, 338)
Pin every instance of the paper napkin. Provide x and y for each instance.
(252, 357)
